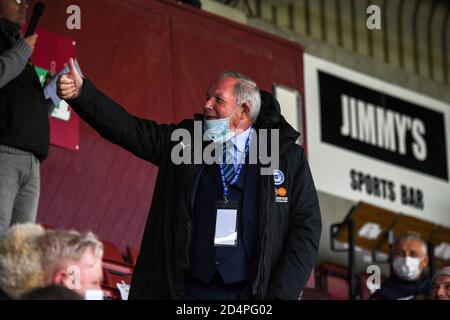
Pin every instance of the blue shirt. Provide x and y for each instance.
(238, 152)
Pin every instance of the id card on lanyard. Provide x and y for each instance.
(226, 233)
(226, 224)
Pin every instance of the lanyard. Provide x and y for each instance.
(238, 171)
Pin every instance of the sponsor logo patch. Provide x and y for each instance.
(281, 199)
(281, 195)
(278, 177)
(282, 192)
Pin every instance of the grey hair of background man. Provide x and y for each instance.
(245, 91)
(60, 248)
(410, 237)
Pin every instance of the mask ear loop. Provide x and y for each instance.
(240, 122)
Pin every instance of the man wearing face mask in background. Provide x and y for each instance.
(216, 231)
(408, 279)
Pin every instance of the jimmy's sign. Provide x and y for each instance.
(370, 140)
(382, 126)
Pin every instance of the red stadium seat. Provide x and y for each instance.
(333, 279)
(118, 267)
(112, 279)
(363, 290)
(315, 294)
(337, 288)
(111, 252)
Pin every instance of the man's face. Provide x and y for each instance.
(440, 290)
(221, 102)
(81, 275)
(91, 271)
(13, 12)
(414, 249)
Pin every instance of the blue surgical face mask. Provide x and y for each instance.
(407, 268)
(218, 129)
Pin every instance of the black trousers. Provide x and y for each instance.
(216, 289)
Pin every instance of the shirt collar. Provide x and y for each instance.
(241, 139)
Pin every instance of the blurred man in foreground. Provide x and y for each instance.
(32, 257)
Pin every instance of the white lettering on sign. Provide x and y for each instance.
(386, 129)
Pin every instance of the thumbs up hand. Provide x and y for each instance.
(69, 84)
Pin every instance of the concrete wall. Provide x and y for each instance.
(291, 15)
(361, 63)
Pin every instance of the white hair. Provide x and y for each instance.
(60, 247)
(410, 237)
(245, 91)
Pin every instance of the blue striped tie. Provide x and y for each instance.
(228, 168)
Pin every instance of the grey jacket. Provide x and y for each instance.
(13, 61)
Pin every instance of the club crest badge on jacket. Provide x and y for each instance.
(280, 192)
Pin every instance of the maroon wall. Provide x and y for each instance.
(156, 58)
